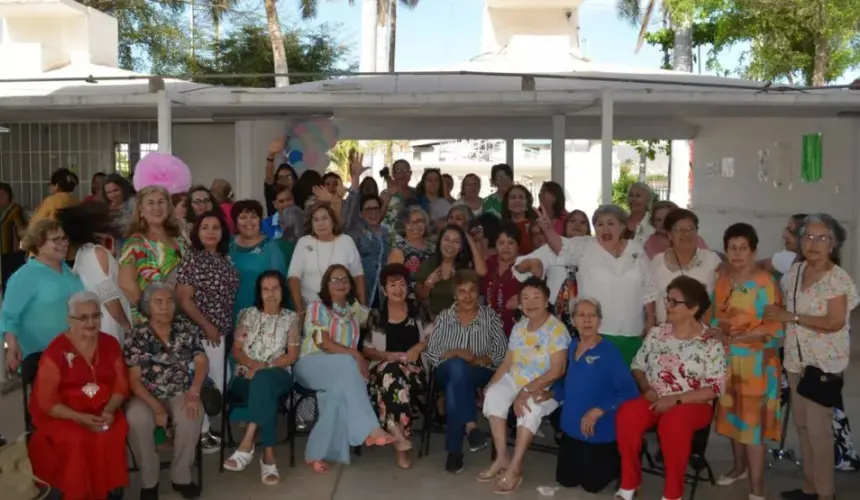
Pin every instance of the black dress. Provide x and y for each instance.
(395, 387)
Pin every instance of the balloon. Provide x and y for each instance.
(295, 156)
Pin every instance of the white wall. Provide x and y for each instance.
(208, 149)
(501, 27)
(720, 201)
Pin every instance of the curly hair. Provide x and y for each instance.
(37, 234)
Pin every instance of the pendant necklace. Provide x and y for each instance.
(91, 388)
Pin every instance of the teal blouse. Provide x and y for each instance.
(35, 305)
(251, 263)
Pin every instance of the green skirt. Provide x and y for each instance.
(628, 346)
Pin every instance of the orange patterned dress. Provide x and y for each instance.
(749, 410)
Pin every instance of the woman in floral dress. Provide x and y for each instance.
(412, 248)
(500, 286)
(154, 246)
(749, 412)
(206, 290)
(397, 379)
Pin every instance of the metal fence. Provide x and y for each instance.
(31, 152)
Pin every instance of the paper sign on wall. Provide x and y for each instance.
(711, 169)
(783, 164)
(763, 165)
(728, 167)
(812, 166)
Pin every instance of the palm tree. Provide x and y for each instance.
(386, 16)
(216, 9)
(279, 52)
(681, 23)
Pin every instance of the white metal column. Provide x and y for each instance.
(679, 174)
(559, 134)
(606, 138)
(165, 122)
(367, 61)
(509, 152)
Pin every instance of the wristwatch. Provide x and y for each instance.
(270, 158)
(677, 401)
(526, 390)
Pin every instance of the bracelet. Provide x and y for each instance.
(268, 158)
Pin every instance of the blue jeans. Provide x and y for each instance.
(460, 381)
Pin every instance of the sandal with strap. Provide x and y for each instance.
(269, 474)
(486, 476)
(384, 439)
(319, 466)
(624, 494)
(239, 460)
(506, 486)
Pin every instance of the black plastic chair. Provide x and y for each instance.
(296, 396)
(29, 368)
(698, 464)
(429, 414)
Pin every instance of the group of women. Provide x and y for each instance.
(518, 311)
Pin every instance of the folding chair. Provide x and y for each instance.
(428, 414)
(701, 469)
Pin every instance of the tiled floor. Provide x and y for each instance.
(374, 475)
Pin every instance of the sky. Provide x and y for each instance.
(441, 32)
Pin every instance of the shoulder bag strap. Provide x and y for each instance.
(794, 306)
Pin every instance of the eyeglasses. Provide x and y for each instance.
(680, 229)
(200, 201)
(337, 280)
(84, 318)
(671, 302)
(59, 240)
(414, 222)
(817, 238)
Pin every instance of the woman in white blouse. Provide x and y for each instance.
(321, 247)
(683, 258)
(89, 226)
(267, 345)
(616, 272)
(819, 297)
(638, 224)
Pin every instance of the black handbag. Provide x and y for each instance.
(815, 384)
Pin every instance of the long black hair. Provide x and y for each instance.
(89, 222)
(464, 259)
(304, 188)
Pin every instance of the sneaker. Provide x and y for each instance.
(798, 494)
(454, 463)
(210, 443)
(149, 493)
(187, 491)
(477, 440)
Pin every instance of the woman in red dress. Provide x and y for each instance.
(500, 287)
(78, 445)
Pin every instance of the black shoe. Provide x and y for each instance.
(189, 490)
(798, 494)
(116, 494)
(454, 464)
(149, 493)
(477, 440)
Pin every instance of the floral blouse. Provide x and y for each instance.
(266, 337)
(828, 351)
(215, 282)
(674, 366)
(154, 261)
(164, 368)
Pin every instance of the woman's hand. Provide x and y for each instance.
(161, 418)
(107, 417)
(13, 354)
(191, 404)
(213, 336)
(513, 303)
(391, 357)
(276, 147)
(777, 313)
(589, 420)
(521, 404)
(322, 194)
(435, 277)
(543, 220)
(356, 166)
(544, 395)
(414, 354)
(91, 422)
(531, 266)
(650, 395)
(663, 404)
(362, 365)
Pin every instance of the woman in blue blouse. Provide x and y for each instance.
(37, 295)
(597, 382)
(251, 252)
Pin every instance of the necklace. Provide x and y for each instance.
(91, 388)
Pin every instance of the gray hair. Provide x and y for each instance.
(79, 298)
(613, 210)
(644, 187)
(837, 232)
(587, 300)
(406, 214)
(465, 210)
(149, 291)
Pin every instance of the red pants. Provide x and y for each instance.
(675, 429)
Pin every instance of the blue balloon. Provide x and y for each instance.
(295, 156)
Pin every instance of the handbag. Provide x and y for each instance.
(815, 384)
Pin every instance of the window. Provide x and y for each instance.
(126, 155)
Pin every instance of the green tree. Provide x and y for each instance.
(152, 34)
(809, 42)
(339, 156)
(678, 14)
(246, 50)
(622, 185)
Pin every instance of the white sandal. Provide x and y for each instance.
(268, 471)
(241, 459)
(625, 494)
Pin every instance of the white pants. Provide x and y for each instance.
(500, 397)
(216, 370)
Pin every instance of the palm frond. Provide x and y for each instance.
(629, 10)
(308, 8)
(646, 20)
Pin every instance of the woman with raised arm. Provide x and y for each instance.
(455, 250)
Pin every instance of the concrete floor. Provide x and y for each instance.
(374, 475)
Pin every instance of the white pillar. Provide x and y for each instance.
(367, 62)
(165, 122)
(606, 139)
(509, 152)
(559, 134)
(679, 174)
